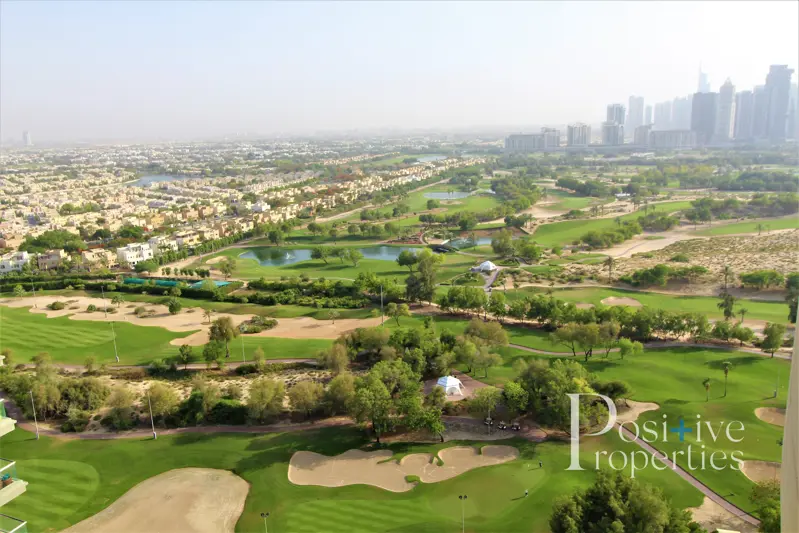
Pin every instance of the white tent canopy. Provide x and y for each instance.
(451, 385)
(487, 266)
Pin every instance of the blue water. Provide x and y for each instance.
(267, 256)
(454, 195)
(170, 283)
(146, 180)
(465, 243)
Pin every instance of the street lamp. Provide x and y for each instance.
(152, 422)
(265, 516)
(463, 498)
(35, 422)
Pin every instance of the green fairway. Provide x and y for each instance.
(72, 341)
(560, 233)
(752, 227)
(707, 305)
(79, 478)
(566, 201)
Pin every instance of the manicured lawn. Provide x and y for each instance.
(758, 310)
(751, 227)
(79, 478)
(566, 201)
(673, 379)
(559, 233)
(72, 341)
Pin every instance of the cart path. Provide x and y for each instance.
(665, 344)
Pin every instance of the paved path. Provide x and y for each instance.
(704, 489)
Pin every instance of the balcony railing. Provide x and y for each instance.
(9, 524)
(3, 409)
(8, 468)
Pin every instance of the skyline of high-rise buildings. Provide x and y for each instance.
(725, 113)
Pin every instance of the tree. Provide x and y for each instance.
(223, 330)
(8, 357)
(89, 364)
(727, 305)
(212, 352)
(628, 348)
(766, 497)
(320, 252)
(185, 355)
(396, 311)
(609, 263)
(333, 235)
(334, 358)
(306, 396)
(502, 243)
(406, 258)
(19, 292)
(515, 397)
(616, 503)
(432, 204)
(773, 334)
(726, 366)
(174, 306)
(728, 274)
(372, 403)
(485, 400)
(266, 398)
(706, 384)
(742, 311)
(567, 335)
(332, 315)
(146, 266)
(163, 400)
(354, 256)
(742, 334)
(275, 237)
(485, 359)
(465, 353)
(497, 305)
(340, 392)
(118, 300)
(207, 313)
(120, 404)
(227, 267)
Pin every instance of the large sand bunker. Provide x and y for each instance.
(187, 500)
(616, 300)
(772, 415)
(759, 471)
(635, 409)
(356, 467)
(713, 516)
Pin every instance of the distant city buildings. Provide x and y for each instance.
(578, 134)
(648, 115)
(725, 113)
(635, 113)
(641, 135)
(663, 116)
(760, 119)
(703, 117)
(704, 84)
(778, 89)
(548, 139)
(681, 113)
(672, 139)
(744, 115)
(27, 140)
(612, 133)
(615, 114)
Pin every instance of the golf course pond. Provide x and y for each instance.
(274, 256)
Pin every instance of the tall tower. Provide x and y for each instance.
(26, 138)
(778, 89)
(703, 116)
(635, 113)
(616, 114)
(725, 114)
(648, 115)
(704, 84)
(744, 115)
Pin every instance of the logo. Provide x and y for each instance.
(651, 433)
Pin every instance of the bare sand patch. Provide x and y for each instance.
(635, 409)
(772, 415)
(616, 300)
(215, 260)
(311, 328)
(356, 467)
(759, 471)
(713, 516)
(583, 305)
(186, 500)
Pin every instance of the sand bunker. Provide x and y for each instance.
(584, 306)
(713, 516)
(356, 467)
(635, 410)
(772, 415)
(759, 471)
(615, 300)
(188, 500)
(215, 260)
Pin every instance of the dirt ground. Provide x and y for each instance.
(761, 470)
(615, 300)
(713, 516)
(187, 500)
(635, 410)
(215, 260)
(772, 415)
(355, 467)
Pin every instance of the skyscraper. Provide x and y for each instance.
(26, 138)
(793, 113)
(703, 116)
(681, 113)
(648, 115)
(725, 114)
(760, 118)
(612, 133)
(663, 116)
(778, 88)
(704, 83)
(578, 135)
(615, 114)
(635, 113)
(744, 115)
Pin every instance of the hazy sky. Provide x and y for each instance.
(148, 69)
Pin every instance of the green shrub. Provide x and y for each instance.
(91, 308)
(680, 258)
(56, 306)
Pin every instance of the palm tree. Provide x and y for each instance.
(609, 263)
(742, 311)
(617, 220)
(728, 273)
(706, 383)
(759, 228)
(117, 299)
(726, 366)
(207, 315)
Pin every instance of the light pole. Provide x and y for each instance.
(265, 516)
(463, 498)
(381, 305)
(35, 422)
(102, 292)
(152, 422)
(33, 290)
(243, 359)
(114, 337)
